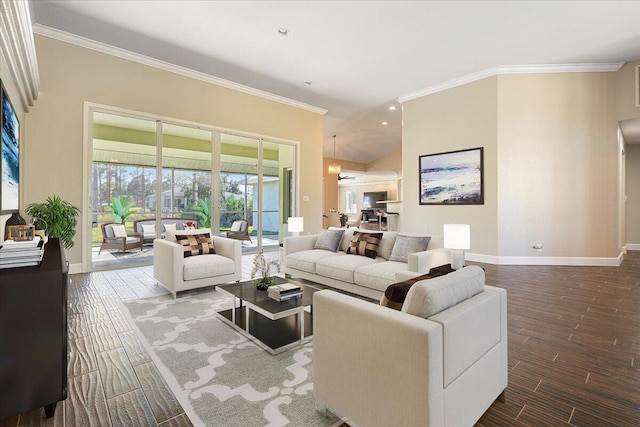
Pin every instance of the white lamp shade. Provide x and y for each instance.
(295, 224)
(457, 236)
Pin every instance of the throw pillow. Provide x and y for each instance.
(119, 230)
(170, 227)
(148, 229)
(195, 244)
(365, 244)
(429, 297)
(329, 239)
(189, 225)
(406, 244)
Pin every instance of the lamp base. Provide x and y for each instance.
(457, 259)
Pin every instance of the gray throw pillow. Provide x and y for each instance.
(406, 244)
(329, 239)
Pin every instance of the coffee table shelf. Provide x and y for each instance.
(274, 326)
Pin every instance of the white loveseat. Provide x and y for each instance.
(355, 273)
(380, 367)
(177, 273)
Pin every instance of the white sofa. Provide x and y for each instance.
(380, 367)
(177, 273)
(354, 273)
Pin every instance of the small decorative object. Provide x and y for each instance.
(13, 221)
(38, 227)
(262, 267)
(22, 233)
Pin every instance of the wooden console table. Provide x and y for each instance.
(33, 334)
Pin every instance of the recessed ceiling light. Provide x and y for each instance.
(392, 108)
(308, 83)
(384, 123)
(283, 31)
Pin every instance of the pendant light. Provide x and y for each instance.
(334, 168)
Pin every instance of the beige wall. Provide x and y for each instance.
(455, 119)
(557, 165)
(71, 75)
(12, 91)
(633, 194)
(390, 162)
(626, 92)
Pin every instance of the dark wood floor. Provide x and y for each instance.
(574, 351)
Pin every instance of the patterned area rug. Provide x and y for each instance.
(220, 377)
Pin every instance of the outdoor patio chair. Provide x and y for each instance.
(114, 236)
(239, 230)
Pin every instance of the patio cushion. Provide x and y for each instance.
(118, 230)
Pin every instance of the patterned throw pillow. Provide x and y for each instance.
(365, 244)
(329, 239)
(406, 244)
(195, 244)
(190, 225)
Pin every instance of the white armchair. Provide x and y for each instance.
(381, 367)
(177, 273)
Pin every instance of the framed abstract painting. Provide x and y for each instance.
(10, 156)
(452, 178)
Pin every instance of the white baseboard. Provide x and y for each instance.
(75, 268)
(524, 260)
(633, 246)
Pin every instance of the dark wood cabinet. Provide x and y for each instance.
(33, 334)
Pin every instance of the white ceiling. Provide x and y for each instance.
(359, 55)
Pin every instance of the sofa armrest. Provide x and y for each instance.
(229, 248)
(167, 263)
(422, 262)
(366, 356)
(299, 243)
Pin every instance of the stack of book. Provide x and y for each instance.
(21, 253)
(284, 291)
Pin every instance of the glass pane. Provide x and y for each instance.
(123, 179)
(186, 175)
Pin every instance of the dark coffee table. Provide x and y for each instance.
(274, 326)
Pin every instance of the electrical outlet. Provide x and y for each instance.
(538, 247)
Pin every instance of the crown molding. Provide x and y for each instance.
(19, 51)
(166, 66)
(514, 69)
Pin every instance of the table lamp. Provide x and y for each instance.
(457, 237)
(295, 224)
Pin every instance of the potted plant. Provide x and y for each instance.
(262, 269)
(58, 218)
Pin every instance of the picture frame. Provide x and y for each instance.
(452, 178)
(9, 155)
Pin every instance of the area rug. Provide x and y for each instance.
(220, 377)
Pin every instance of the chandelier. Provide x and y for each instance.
(334, 168)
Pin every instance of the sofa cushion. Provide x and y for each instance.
(429, 297)
(329, 239)
(342, 267)
(406, 244)
(210, 265)
(196, 244)
(170, 227)
(380, 275)
(306, 260)
(365, 244)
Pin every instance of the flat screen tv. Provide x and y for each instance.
(371, 198)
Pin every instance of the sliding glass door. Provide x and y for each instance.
(146, 173)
